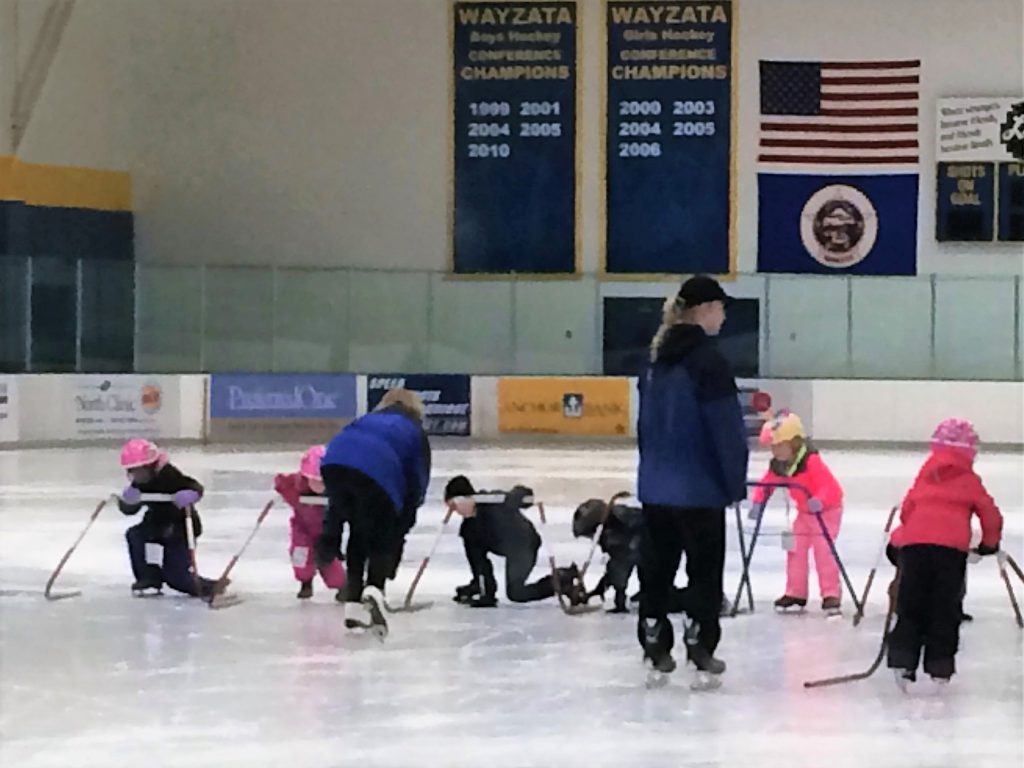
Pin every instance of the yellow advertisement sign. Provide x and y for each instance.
(564, 405)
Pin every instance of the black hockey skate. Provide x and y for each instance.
(147, 588)
(784, 603)
(709, 669)
(466, 592)
(831, 607)
(657, 659)
(306, 590)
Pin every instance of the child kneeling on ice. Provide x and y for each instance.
(150, 472)
(930, 547)
(795, 460)
(307, 523)
(501, 528)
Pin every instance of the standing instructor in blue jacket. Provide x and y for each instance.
(693, 464)
(375, 472)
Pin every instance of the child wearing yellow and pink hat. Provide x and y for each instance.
(796, 461)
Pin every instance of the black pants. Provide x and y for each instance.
(376, 529)
(518, 565)
(668, 532)
(176, 571)
(928, 605)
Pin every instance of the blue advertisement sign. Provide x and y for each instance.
(282, 396)
(446, 398)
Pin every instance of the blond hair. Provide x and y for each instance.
(672, 313)
(403, 397)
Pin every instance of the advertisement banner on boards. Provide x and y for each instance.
(299, 407)
(564, 405)
(8, 409)
(121, 406)
(446, 398)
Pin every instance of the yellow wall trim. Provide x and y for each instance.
(61, 186)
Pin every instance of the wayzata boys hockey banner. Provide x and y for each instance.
(838, 167)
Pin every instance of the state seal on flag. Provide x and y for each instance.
(838, 226)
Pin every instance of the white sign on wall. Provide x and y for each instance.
(122, 406)
(981, 129)
(8, 409)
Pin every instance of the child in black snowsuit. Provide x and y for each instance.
(620, 539)
(621, 528)
(150, 472)
(502, 529)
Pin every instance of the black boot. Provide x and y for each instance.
(305, 590)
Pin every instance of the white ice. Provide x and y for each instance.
(107, 680)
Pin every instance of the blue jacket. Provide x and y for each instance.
(693, 444)
(391, 448)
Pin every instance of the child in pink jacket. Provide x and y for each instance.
(307, 523)
(796, 461)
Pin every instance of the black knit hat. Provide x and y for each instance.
(458, 486)
(701, 289)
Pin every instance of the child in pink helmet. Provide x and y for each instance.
(930, 546)
(307, 523)
(150, 472)
(795, 460)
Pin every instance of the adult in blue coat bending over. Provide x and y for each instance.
(693, 464)
(375, 473)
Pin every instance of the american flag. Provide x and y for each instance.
(855, 116)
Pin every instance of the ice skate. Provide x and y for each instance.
(466, 592)
(305, 590)
(903, 678)
(831, 607)
(659, 661)
(786, 602)
(147, 588)
(373, 601)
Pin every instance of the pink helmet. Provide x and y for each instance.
(139, 453)
(309, 467)
(956, 433)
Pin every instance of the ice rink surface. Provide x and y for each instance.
(108, 680)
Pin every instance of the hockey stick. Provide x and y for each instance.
(47, 593)
(1009, 589)
(407, 605)
(894, 589)
(878, 561)
(190, 538)
(599, 531)
(221, 583)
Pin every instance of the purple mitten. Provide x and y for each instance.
(755, 512)
(815, 506)
(185, 498)
(131, 496)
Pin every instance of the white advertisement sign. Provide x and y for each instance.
(123, 406)
(8, 409)
(980, 129)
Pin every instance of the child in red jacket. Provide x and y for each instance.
(307, 523)
(932, 542)
(795, 460)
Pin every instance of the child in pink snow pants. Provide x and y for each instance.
(307, 523)
(795, 460)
